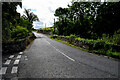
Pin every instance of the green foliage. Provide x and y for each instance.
(30, 16)
(45, 30)
(98, 46)
(93, 36)
(116, 54)
(14, 27)
(96, 24)
(26, 24)
(99, 51)
(109, 52)
(19, 33)
(88, 20)
(115, 39)
(113, 54)
(9, 19)
(73, 36)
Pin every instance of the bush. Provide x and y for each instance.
(73, 36)
(115, 39)
(19, 33)
(116, 54)
(109, 52)
(99, 45)
(100, 51)
(93, 36)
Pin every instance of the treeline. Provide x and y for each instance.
(90, 20)
(48, 30)
(14, 26)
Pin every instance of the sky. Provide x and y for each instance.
(44, 9)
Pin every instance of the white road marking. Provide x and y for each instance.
(47, 41)
(14, 70)
(26, 59)
(11, 56)
(61, 52)
(19, 56)
(26, 56)
(7, 62)
(65, 55)
(3, 70)
(16, 61)
(21, 53)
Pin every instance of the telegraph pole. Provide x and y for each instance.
(54, 27)
(45, 25)
(45, 28)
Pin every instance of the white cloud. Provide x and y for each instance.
(44, 9)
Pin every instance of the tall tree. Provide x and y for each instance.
(9, 14)
(30, 16)
(88, 19)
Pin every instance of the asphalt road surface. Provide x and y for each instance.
(47, 58)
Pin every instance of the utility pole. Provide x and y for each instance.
(54, 27)
(45, 28)
(45, 25)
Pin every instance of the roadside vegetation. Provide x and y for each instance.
(47, 30)
(15, 28)
(95, 25)
(100, 47)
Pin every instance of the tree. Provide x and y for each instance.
(9, 19)
(88, 19)
(25, 24)
(107, 20)
(30, 16)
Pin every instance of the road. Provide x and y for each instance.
(47, 58)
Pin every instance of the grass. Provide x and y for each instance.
(34, 30)
(98, 52)
(67, 43)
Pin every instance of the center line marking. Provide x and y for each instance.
(47, 41)
(61, 52)
(65, 55)
(3, 70)
(14, 70)
(7, 62)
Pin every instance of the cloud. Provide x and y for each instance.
(44, 9)
(50, 9)
(38, 23)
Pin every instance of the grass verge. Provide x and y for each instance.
(110, 55)
(67, 43)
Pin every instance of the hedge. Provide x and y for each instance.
(96, 46)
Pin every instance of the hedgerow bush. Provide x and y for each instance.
(115, 39)
(19, 33)
(98, 46)
(73, 36)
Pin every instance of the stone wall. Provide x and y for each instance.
(44, 32)
(89, 45)
(16, 46)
